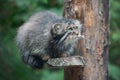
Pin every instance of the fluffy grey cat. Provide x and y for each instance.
(45, 36)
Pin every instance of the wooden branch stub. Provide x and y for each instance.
(67, 61)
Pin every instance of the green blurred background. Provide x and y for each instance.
(14, 13)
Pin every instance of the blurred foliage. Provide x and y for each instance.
(114, 50)
(14, 13)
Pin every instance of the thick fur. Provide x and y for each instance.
(39, 39)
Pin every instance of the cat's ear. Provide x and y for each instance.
(57, 28)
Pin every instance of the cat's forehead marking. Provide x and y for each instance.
(74, 23)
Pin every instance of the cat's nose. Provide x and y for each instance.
(76, 32)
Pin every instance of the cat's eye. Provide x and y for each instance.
(70, 28)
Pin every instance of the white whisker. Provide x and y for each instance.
(66, 34)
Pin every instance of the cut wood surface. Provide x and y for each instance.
(67, 61)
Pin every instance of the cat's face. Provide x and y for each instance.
(67, 31)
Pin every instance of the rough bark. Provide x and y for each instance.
(94, 14)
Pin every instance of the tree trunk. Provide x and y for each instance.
(94, 14)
